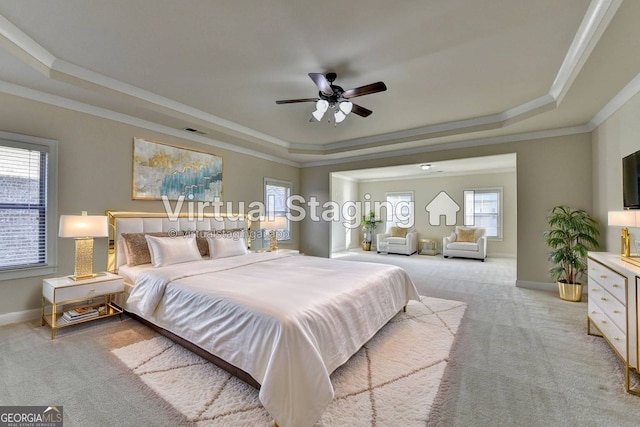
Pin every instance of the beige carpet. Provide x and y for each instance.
(391, 381)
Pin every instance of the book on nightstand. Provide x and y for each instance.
(80, 313)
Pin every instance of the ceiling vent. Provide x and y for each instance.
(192, 130)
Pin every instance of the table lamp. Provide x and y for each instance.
(83, 228)
(629, 218)
(273, 224)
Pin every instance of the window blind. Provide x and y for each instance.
(23, 208)
(482, 208)
(400, 208)
(276, 195)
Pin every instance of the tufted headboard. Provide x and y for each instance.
(146, 222)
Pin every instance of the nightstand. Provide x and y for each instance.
(96, 292)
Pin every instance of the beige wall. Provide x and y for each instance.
(425, 189)
(94, 174)
(550, 172)
(614, 139)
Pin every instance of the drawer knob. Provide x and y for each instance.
(92, 290)
(593, 312)
(616, 286)
(604, 299)
(616, 338)
(604, 321)
(616, 312)
(603, 277)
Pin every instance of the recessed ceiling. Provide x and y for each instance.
(455, 70)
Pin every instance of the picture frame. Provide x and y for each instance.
(166, 170)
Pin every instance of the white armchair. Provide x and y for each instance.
(399, 240)
(465, 242)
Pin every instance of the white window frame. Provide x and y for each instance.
(391, 216)
(284, 234)
(51, 148)
(499, 214)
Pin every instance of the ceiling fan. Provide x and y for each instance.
(334, 97)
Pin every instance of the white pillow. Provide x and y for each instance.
(225, 245)
(172, 250)
(453, 237)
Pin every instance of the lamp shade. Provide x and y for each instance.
(629, 218)
(83, 226)
(322, 105)
(274, 223)
(318, 115)
(346, 107)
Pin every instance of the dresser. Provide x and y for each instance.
(613, 307)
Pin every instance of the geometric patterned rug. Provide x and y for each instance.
(391, 381)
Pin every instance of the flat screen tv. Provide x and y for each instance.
(631, 181)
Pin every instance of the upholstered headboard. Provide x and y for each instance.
(146, 222)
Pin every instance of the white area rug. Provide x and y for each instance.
(391, 381)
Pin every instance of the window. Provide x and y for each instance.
(27, 206)
(483, 208)
(400, 209)
(276, 193)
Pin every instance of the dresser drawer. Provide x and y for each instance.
(614, 335)
(89, 290)
(608, 305)
(608, 279)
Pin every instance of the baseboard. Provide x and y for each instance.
(543, 286)
(20, 316)
(509, 255)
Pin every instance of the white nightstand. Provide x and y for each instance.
(96, 292)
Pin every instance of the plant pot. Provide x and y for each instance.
(366, 246)
(570, 291)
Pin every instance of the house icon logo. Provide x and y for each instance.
(440, 205)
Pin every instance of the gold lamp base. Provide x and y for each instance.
(625, 243)
(273, 241)
(84, 259)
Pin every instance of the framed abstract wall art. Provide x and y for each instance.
(164, 170)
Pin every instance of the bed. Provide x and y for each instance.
(281, 322)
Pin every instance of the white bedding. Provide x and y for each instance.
(288, 321)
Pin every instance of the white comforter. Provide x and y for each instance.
(288, 321)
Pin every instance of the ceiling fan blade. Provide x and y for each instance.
(365, 90)
(321, 81)
(361, 111)
(292, 101)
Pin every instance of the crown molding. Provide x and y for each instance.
(593, 25)
(455, 145)
(626, 93)
(432, 175)
(595, 22)
(69, 104)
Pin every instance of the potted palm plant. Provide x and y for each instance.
(571, 235)
(369, 224)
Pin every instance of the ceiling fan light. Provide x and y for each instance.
(346, 107)
(322, 105)
(318, 114)
(339, 116)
